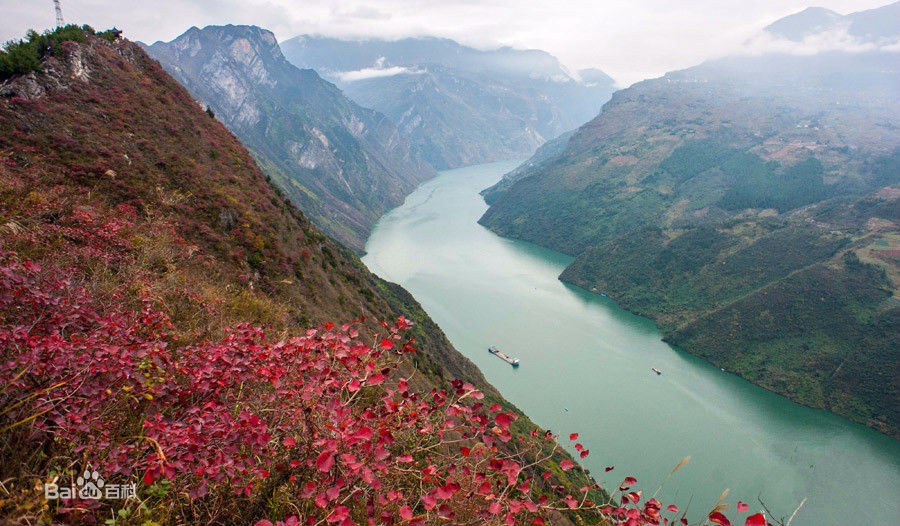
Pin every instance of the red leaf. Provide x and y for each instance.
(363, 433)
(673, 508)
(324, 462)
(148, 478)
(387, 343)
(406, 513)
(446, 491)
(566, 465)
(573, 436)
(585, 453)
(628, 482)
(465, 451)
(308, 489)
(741, 507)
(756, 520)
(718, 518)
(537, 521)
(339, 514)
(503, 420)
(289, 442)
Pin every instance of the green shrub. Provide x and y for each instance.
(24, 56)
(18, 57)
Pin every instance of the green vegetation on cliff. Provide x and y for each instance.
(750, 206)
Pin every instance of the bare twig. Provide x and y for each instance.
(802, 502)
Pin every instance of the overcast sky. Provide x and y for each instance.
(629, 39)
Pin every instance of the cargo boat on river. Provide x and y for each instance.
(503, 356)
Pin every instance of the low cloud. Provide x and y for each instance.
(838, 39)
(377, 70)
(627, 39)
(371, 73)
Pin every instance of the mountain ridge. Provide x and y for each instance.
(711, 198)
(344, 164)
(458, 104)
(870, 25)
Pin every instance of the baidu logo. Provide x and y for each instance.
(89, 486)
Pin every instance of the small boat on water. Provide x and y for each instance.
(655, 370)
(503, 356)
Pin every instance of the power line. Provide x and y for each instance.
(59, 18)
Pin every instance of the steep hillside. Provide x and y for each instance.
(158, 305)
(547, 152)
(750, 206)
(342, 164)
(458, 105)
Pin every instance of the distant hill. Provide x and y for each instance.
(873, 25)
(459, 105)
(751, 206)
(807, 22)
(344, 165)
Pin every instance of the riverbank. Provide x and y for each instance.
(581, 352)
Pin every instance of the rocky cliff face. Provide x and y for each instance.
(459, 105)
(341, 163)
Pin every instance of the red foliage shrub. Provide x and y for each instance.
(320, 414)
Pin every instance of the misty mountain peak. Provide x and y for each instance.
(873, 25)
(807, 22)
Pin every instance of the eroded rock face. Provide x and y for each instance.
(342, 164)
(57, 74)
(458, 105)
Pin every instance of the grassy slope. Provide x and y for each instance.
(124, 132)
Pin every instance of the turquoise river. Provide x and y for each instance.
(586, 368)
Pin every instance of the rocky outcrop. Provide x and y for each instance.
(344, 165)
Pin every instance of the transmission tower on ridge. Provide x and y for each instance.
(59, 18)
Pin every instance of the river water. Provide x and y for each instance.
(586, 368)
